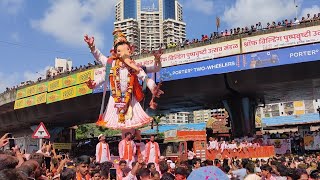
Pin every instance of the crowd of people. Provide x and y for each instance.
(204, 38)
(244, 30)
(51, 73)
(133, 164)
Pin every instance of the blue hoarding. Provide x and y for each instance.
(203, 68)
(99, 89)
(297, 54)
(284, 56)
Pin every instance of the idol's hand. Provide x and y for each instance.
(91, 84)
(156, 92)
(157, 55)
(89, 40)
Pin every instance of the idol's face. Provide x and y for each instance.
(123, 49)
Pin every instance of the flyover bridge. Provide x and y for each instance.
(237, 72)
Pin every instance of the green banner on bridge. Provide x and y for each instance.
(70, 80)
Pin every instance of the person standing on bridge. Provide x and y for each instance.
(124, 110)
(102, 150)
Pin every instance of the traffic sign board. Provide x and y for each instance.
(41, 132)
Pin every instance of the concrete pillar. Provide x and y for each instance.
(242, 115)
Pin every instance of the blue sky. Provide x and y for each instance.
(34, 32)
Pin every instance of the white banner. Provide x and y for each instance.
(195, 54)
(170, 134)
(281, 146)
(99, 74)
(281, 39)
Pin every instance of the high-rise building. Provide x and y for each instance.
(202, 115)
(178, 118)
(150, 26)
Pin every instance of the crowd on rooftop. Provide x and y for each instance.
(286, 23)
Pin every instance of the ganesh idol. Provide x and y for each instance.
(123, 74)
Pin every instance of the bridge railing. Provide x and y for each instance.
(231, 37)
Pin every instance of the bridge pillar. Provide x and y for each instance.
(242, 115)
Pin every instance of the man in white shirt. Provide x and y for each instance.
(102, 150)
(191, 155)
(213, 144)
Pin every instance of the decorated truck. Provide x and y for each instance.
(180, 141)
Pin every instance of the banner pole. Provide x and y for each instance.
(40, 143)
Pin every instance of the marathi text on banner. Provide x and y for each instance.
(211, 51)
(30, 101)
(42, 87)
(31, 90)
(69, 80)
(68, 93)
(21, 93)
(54, 85)
(83, 89)
(41, 98)
(281, 39)
(54, 97)
(83, 77)
(20, 103)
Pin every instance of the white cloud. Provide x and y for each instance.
(8, 80)
(12, 7)
(249, 12)
(315, 9)
(69, 20)
(33, 76)
(201, 6)
(14, 79)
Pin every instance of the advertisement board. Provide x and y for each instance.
(30, 101)
(70, 80)
(42, 87)
(82, 89)
(41, 98)
(283, 56)
(84, 76)
(54, 97)
(211, 51)
(21, 93)
(19, 103)
(31, 90)
(281, 39)
(282, 146)
(203, 68)
(311, 142)
(54, 84)
(68, 93)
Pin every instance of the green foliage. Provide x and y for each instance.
(160, 135)
(87, 130)
(157, 118)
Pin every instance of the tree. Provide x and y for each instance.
(157, 120)
(92, 130)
